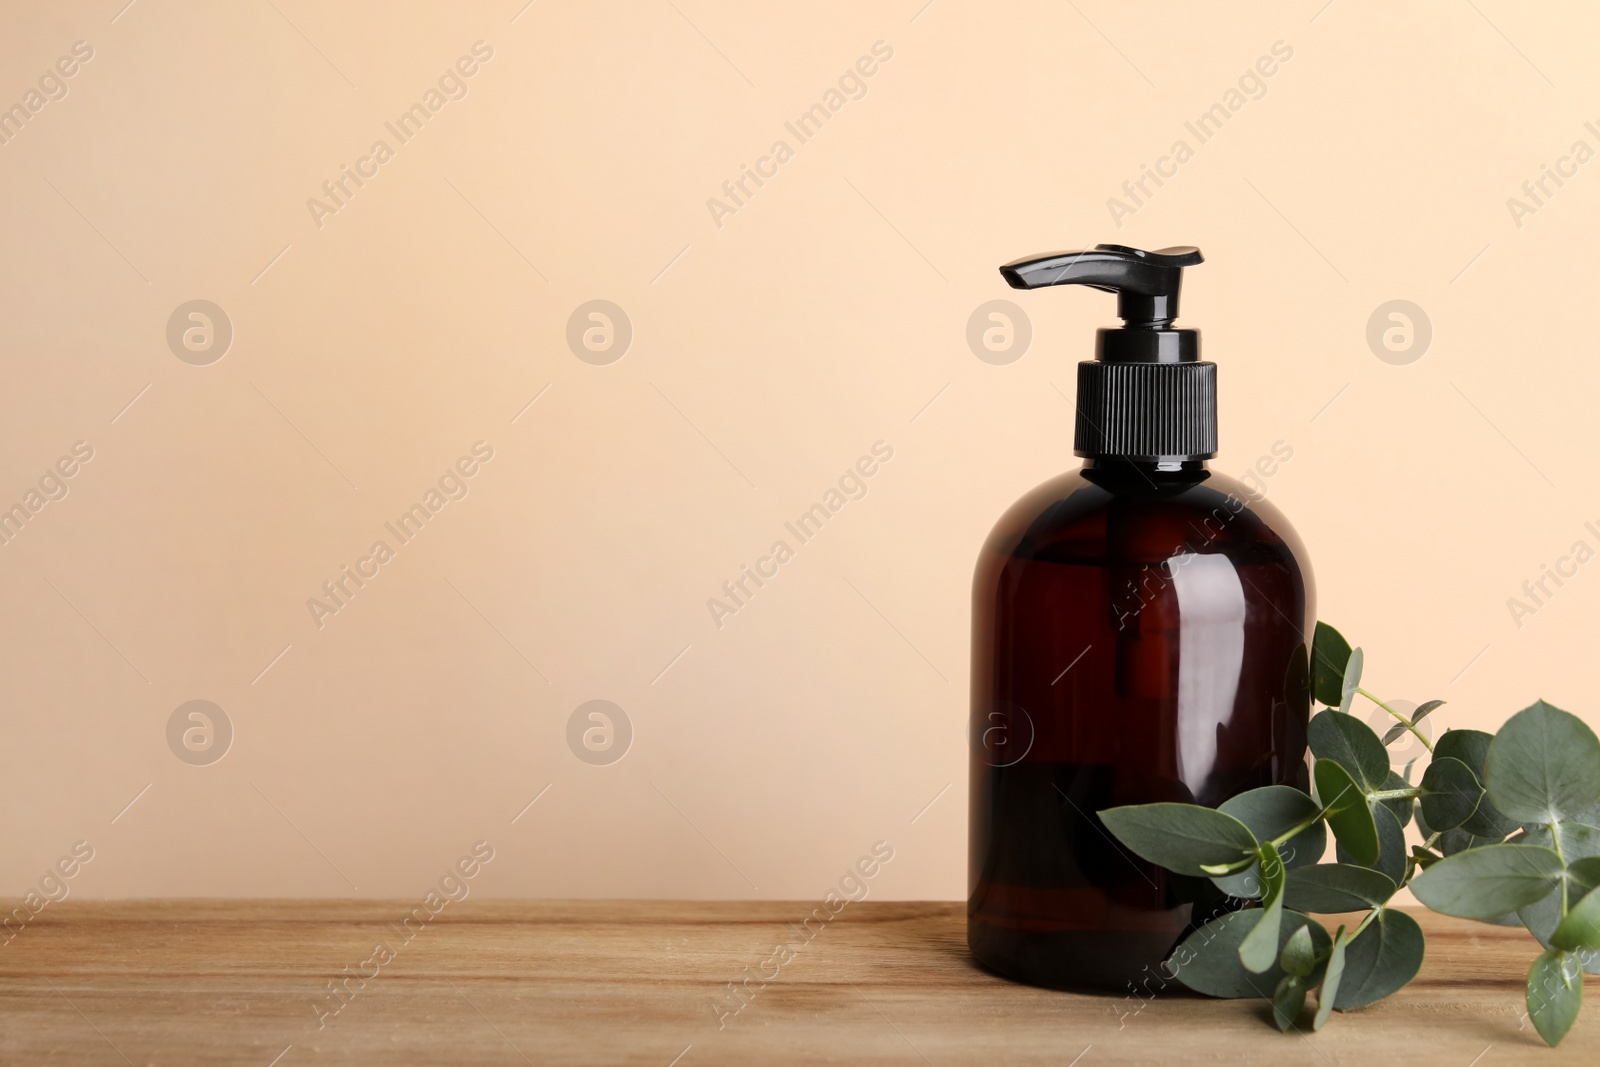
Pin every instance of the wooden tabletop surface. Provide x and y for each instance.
(646, 982)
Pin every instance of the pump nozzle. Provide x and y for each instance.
(1146, 283)
(1127, 410)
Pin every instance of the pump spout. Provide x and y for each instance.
(1146, 283)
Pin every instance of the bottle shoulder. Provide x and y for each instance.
(1091, 515)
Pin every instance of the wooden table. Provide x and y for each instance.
(601, 982)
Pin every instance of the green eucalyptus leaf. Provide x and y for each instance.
(1299, 955)
(1424, 710)
(1580, 844)
(1472, 748)
(1391, 846)
(1208, 960)
(1581, 928)
(1332, 978)
(1271, 809)
(1393, 733)
(1485, 882)
(1268, 812)
(1260, 948)
(1424, 857)
(1452, 842)
(1544, 766)
(1450, 793)
(1399, 807)
(1555, 993)
(1288, 1001)
(1336, 887)
(1352, 680)
(1487, 825)
(1183, 838)
(1380, 960)
(1329, 653)
(1350, 743)
(1305, 847)
(1349, 815)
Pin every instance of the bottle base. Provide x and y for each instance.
(1077, 961)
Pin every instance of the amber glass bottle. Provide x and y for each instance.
(1141, 632)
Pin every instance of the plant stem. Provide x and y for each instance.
(1281, 839)
(1415, 732)
(1410, 793)
(1555, 841)
(1225, 869)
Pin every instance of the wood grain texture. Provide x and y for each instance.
(636, 982)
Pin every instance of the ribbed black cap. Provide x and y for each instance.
(1147, 410)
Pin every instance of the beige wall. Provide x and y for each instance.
(772, 346)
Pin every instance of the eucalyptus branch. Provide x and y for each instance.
(1408, 725)
(1541, 771)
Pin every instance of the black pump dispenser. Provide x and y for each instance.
(1146, 395)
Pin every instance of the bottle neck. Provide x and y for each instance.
(1151, 467)
(1120, 474)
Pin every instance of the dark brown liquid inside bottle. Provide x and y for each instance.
(1139, 634)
